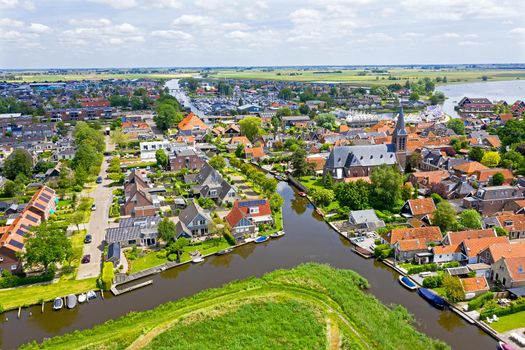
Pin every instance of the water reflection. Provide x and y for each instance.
(450, 321)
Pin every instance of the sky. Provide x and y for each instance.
(179, 33)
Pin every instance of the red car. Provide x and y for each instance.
(86, 259)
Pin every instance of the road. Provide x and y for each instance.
(98, 223)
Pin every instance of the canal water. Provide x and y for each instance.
(307, 239)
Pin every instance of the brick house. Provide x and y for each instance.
(247, 215)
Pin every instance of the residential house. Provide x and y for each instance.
(193, 222)
(475, 105)
(474, 286)
(510, 272)
(235, 141)
(494, 252)
(317, 163)
(490, 200)
(136, 231)
(294, 121)
(113, 254)
(468, 168)
(211, 184)
(513, 223)
(138, 201)
(41, 205)
(185, 158)
(254, 153)
(246, 215)
(472, 248)
(192, 125)
(420, 209)
(413, 243)
(484, 176)
(232, 130)
(426, 179)
(365, 220)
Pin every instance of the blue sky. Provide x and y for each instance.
(137, 33)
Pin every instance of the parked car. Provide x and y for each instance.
(93, 207)
(99, 179)
(88, 239)
(86, 259)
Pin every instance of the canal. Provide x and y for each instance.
(308, 239)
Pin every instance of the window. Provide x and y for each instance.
(254, 210)
(13, 267)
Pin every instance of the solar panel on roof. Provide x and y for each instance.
(38, 205)
(45, 196)
(47, 189)
(31, 218)
(44, 200)
(20, 232)
(25, 227)
(16, 244)
(252, 203)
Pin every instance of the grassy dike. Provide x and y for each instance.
(311, 306)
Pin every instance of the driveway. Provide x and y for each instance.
(98, 224)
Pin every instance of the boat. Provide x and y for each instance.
(319, 211)
(225, 251)
(82, 298)
(261, 239)
(505, 346)
(432, 298)
(277, 234)
(58, 304)
(71, 301)
(407, 282)
(91, 295)
(302, 194)
(197, 259)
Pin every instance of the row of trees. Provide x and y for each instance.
(90, 145)
(168, 112)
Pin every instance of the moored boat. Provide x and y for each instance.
(261, 239)
(197, 259)
(319, 211)
(505, 346)
(432, 298)
(225, 251)
(407, 282)
(82, 298)
(91, 295)
(277, 234)
(302, 194)
(71, 301)
(58, 303)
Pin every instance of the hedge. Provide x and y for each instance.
(10, 281)
(422, 268)
(502, 311)
(479, 301)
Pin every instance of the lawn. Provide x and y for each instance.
(150, 259)
(24, 296)
(77, 246)
(317, 183)
(509, 322)
(303, 308)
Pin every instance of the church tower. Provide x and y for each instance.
(399, 137)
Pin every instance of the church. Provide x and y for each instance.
(360, 160)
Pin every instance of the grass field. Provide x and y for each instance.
(39, 78)
(309, 307)
(353, 77)
(509, 322)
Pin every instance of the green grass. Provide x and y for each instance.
(352, 76)
(77, 246)
(24, 296)
(146, 261)
(317, 184)
(245, 314)
(509, 322)
(242, 329)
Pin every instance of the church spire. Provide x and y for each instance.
(399, 137)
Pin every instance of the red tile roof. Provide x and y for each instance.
(427, 234)
(474, 284)
(191, 122)
(422, 206)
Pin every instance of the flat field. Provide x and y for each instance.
(39, 78)
(311, 306)
(356, 77)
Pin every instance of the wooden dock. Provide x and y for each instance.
(116, 292)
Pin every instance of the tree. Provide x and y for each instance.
(167, 230)
(88, 134)
(178, 246)
(285, 94)
(453, 288)
(77, 218)
(386, 187)
(457, 125)
(162, 158)
(48, 245)
(437, 97)
(512, 160)
(353, 195)
(18, 162)
(470, 218)
(304, 109)
(322, 196)
(298, 162)
(406, 191)
(217, 162)
(86, 158)
(444, 216)
(498, 179)
(326, 120)
(491, 159)
(414, 97)
(250, 127)
(206, 203)
(119, 138)
(13, 189)
(239, 151)
(108, 275)
(484, 77)
(512, 132)
(167, 116)
(276, 202)
(268, 184)
(476, 154)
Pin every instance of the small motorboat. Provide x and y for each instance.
(197, 260)
(277, 234)
(302, 194)
(319, 212)
(432, 298)
(225, 251)
(71, 301)
(407, 283)
(82, 298)
(261, 239)
(505, 346)
(91, 295)
(58, 303)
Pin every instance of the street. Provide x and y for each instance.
(98, 223)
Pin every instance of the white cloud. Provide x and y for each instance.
(9, 22)
(238, 35)
(103, 22)
(459, 9)
(305, 16)
(469, 43)
(118, 4)
(171, 4)
(518, 31)
(8, 4)
(471, 36)
(192, 20)
(410, 35)
(387, 12)
(448, 35)
(39, 28)
(172, 35)
(101, 33)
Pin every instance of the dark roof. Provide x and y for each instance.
(122, 234)
(190, 212)
(400, 125)
(114, 251)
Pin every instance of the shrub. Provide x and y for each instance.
(108, 274)
(479, 301)
(516, 306)
(172, 257)
(422, 268)
(433, 281)
(229, 238)
(450, 264)
(383, 251)
(161, 254)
